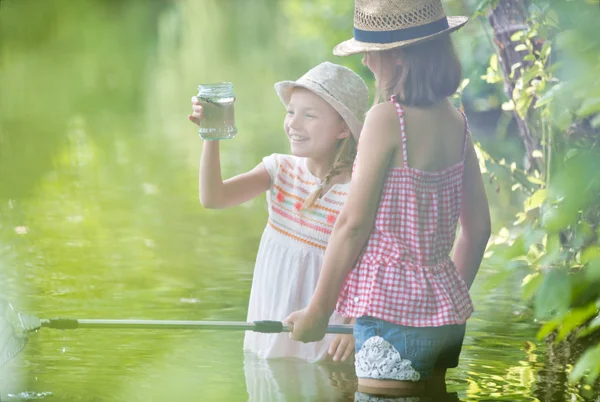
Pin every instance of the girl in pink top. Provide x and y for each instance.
(388, 262)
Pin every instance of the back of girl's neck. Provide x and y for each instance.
(442, 104)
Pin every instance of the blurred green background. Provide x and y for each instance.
(99, 210)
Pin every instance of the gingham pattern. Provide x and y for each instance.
(405, 275)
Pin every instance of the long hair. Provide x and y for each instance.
(428, 72)
(344, 159)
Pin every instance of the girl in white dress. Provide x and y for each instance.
(305, 192)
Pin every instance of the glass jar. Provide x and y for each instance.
(218, 121)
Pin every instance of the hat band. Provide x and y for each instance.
(401, 34)
(321, 87)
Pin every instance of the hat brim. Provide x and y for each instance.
(352, 46)
(284, 90)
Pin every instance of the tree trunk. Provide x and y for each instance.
(508, 17)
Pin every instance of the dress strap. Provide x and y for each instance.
(467, 131)
(400, 111)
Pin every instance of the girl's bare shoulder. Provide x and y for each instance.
(383, 110)
(383, 116)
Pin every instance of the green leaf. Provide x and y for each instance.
(557, 218)
(522, 105)
(521, 217)
(536, 199)
(494, 62)
(531, 284)
(482, 6)
(536, 180)
(516, 249)
(590, 253)
(547, 329)
(520, 47)
(553, 244)
(573, 185)
(575, 319)
(508, 106)
(491, 76)
(463, 85)
(554, 296)
(592, 271)
(562, 118)
(533, 235)
(548, 96)
(589, 106)
(530, 74)
(588, 364)
(593, 326)
(552, 18)
(546, 49)
(516, 36)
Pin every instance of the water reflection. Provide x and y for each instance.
(438, 397)
(297, 380)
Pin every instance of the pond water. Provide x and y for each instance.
(100, 215)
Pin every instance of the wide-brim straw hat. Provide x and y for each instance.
(339, 86)
(388, 24)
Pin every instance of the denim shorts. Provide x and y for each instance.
(450, 354)
(395, 352)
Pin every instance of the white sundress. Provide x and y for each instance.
(290, 256)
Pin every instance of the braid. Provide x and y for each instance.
(344, 160)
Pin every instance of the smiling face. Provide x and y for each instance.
(313, 126)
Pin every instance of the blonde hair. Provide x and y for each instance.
(429, 72)
(344, 159)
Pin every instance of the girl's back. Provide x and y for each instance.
(435, 136)
(415, 225)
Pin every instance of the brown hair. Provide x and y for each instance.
(344, 159)
(429, 71)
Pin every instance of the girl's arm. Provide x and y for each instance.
(216, 193)
(377, 146)
(475, 223)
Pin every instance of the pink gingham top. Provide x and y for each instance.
(405, 275)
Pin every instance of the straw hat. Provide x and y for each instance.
(339, 86)
(387, 24)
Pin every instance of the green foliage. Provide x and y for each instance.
(589, 364)
(556, 232)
